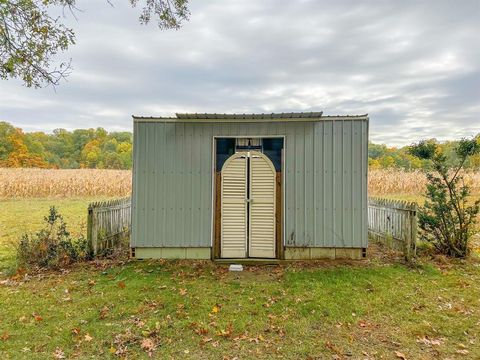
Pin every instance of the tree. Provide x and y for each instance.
(30, 38)
(447, 220)
(6, 130)
(19, 156)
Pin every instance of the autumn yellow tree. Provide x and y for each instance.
(19, 155)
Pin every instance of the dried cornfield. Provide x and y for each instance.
(27, 183)
(390, 182)
(23, 183)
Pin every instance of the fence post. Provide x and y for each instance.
(414, 225)
(89, 229)
(94, 231)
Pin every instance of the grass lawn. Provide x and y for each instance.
(26, 215)
(369, 309)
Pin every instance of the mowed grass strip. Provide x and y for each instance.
(196, 310)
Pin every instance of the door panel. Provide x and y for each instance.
(262, 207)
(234, 207)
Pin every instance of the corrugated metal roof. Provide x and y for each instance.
(273, 117)
(297, 115)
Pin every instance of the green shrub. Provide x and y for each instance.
(447, 219)
(51, 247)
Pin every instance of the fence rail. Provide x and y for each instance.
(108, 224)
(394, 223)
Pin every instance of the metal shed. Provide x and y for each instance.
(284, 186)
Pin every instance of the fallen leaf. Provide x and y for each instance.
(147, 344)
(104, 312)
(183, 292)
(5, 336)
(37, 317)
(88, 337)
(400, 355)
(206, 339)
(59, 354)
(76, 331)
(91, 282)
(462, 352)
(121, 284)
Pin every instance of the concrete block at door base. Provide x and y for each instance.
(297, 253)
(172, 253)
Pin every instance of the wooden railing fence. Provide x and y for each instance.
(394, 223)
(108, 224)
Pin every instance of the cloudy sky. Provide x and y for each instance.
(413, 66)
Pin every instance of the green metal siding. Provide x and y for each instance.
(325, 165)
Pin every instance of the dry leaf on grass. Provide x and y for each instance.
(104, 312)
(58, 354)
(148, 345)
(400, 355)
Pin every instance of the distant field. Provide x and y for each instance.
(29, 183)
(392, 182)
(42, 183)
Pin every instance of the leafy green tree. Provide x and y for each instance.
(19, 155)
(6, 147)
(112, 160)
(387, 161)
(447, 220)
(376, 151)
(31, 38)
(124, 150)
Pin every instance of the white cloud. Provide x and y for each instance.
(414, 67)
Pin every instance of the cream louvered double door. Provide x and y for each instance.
(248, 206)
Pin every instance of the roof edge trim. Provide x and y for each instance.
(247, 120)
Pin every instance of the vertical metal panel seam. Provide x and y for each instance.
(333, 183)
(343, 182)
(352, 191)
(314, 179)
(155, 185)
(324, 204)
(365, 158)
(164, 194)
(134, 240)
(305, 177)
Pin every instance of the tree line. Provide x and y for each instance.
(380, 156)
(99, 149)
(63, 149)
